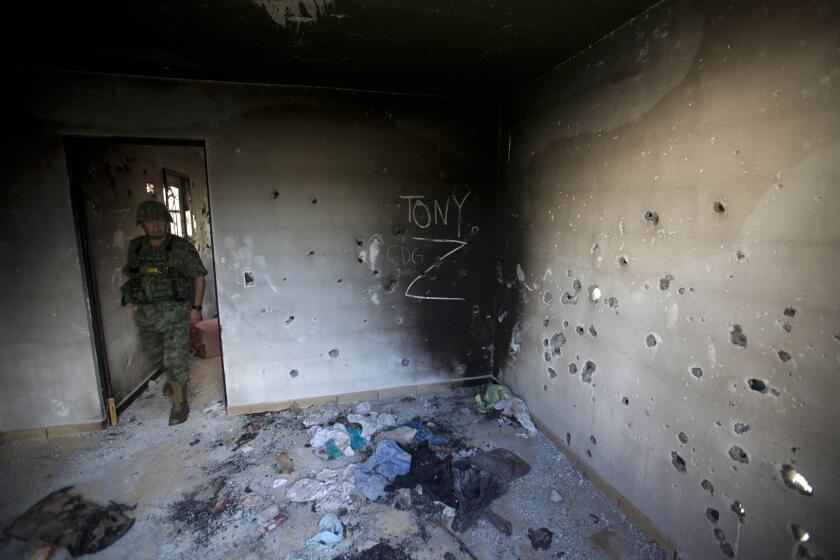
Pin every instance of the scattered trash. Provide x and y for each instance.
(422, 433)
(372, 423)
(250, 500)
(322, 415)
(70, 522)
(320, 438)
(448, 511)
(278, 482)
(331, 532)
(515, 407)
(403, 434)
(284, 464)
(541, 538)
(220, 505)
(245, 449)
(493, 394)
(362, 408)
(244, 439)
(380, 551)
(330, 489)
(555, 496)
(387, 462)
(218, 405)
(273, 524)
(357, 442)
(268, 514)
(49, 552)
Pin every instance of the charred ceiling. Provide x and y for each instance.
(448, 47)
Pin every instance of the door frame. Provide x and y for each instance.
(71, 143)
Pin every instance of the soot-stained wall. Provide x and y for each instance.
(353, 233)
(669, 253)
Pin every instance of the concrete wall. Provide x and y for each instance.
(688, 167)
(113, 178)
(308, 196)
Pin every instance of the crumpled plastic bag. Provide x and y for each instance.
(514, 407)
(372, 423)
(341, 438)
(331, 532)
(330, 489)
(493, 394)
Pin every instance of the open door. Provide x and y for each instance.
(109, 179)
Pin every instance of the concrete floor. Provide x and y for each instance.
(167, 471)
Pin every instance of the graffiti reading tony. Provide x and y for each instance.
(422, 215)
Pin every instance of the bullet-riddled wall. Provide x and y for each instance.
(670, 253)
(351, 237)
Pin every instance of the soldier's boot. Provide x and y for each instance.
(180, 408)
(167, 389)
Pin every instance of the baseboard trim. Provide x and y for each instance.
(630, 510)
(51, 432)
(402, 391)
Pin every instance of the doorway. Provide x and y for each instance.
(109, 178)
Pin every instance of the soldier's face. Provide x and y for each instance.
(155, 229)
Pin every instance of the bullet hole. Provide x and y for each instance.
(737, 336)
(360, 241)
(391, 284)
(333, 353)
(739, 511)
(593, 440)
(665, 282)
(708, 487)
(552, 373)
(677, 461)
(547, 356)
(592, 330)
(545, 388)
(785, 326)
(476, 309)
(314, 201)
(595, 248)
(573, 369)
(568, 439)
(275, 195)
(568, 299)
(594, 293)
(796, 481)
(784, 356)
(681, 291)
(565, 324)
(311, 253)
(579, 329)
(577, 286)
(652, 340)
(799, 533)
(294, 373)
(740, 428)
(757, 385)
(725, 547)
(290, 320)
(740, 255)
(557, 342)
(376, 273)
(612, 302)
(547, 297)
(712, 515)
(588, 370)
(738, 455)
(249, 279)
(398, 231)
(361, 260)
(625, 401)
(588, 453)
(546, 322)
(622, 261)
(682, 437)
(339, 280)
(652, 218)
(696, 371)
(719, 207)
(545, 342)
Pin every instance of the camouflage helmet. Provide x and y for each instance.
(152, 210)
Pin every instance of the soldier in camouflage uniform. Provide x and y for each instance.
(166, 287)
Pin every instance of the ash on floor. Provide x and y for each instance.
(217, 485)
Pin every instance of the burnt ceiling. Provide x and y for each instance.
(448, 47)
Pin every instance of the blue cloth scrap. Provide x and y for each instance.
(331, 532)
(333, 452)
(387, 462)
(424, 434)
(357, 442)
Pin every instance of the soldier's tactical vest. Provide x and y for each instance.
(152, 279)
